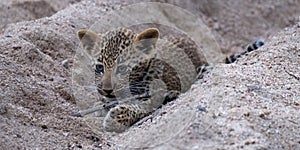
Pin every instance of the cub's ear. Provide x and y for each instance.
(151, 33)
(88, 39)
(147, 39)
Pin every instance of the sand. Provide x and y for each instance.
(251, 104)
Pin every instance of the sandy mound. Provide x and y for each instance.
(251, 104)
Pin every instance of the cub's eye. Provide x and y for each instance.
(122, 69)
(99, 68)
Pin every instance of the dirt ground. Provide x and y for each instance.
(251, 104)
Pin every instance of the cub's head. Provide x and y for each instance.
(115, 55)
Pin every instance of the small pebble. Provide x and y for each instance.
(66, 133)
(3, 109)
(202, 108)
(44, 127)
(288, 86)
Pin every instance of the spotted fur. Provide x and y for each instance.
(249, 48)
(136, 73)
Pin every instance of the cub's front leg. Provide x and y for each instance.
(123, 116)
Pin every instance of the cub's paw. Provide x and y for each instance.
(118, 119)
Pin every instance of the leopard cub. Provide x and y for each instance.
(137, 73)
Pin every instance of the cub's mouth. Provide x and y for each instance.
(110, 96)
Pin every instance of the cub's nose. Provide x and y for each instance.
(108, 91)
